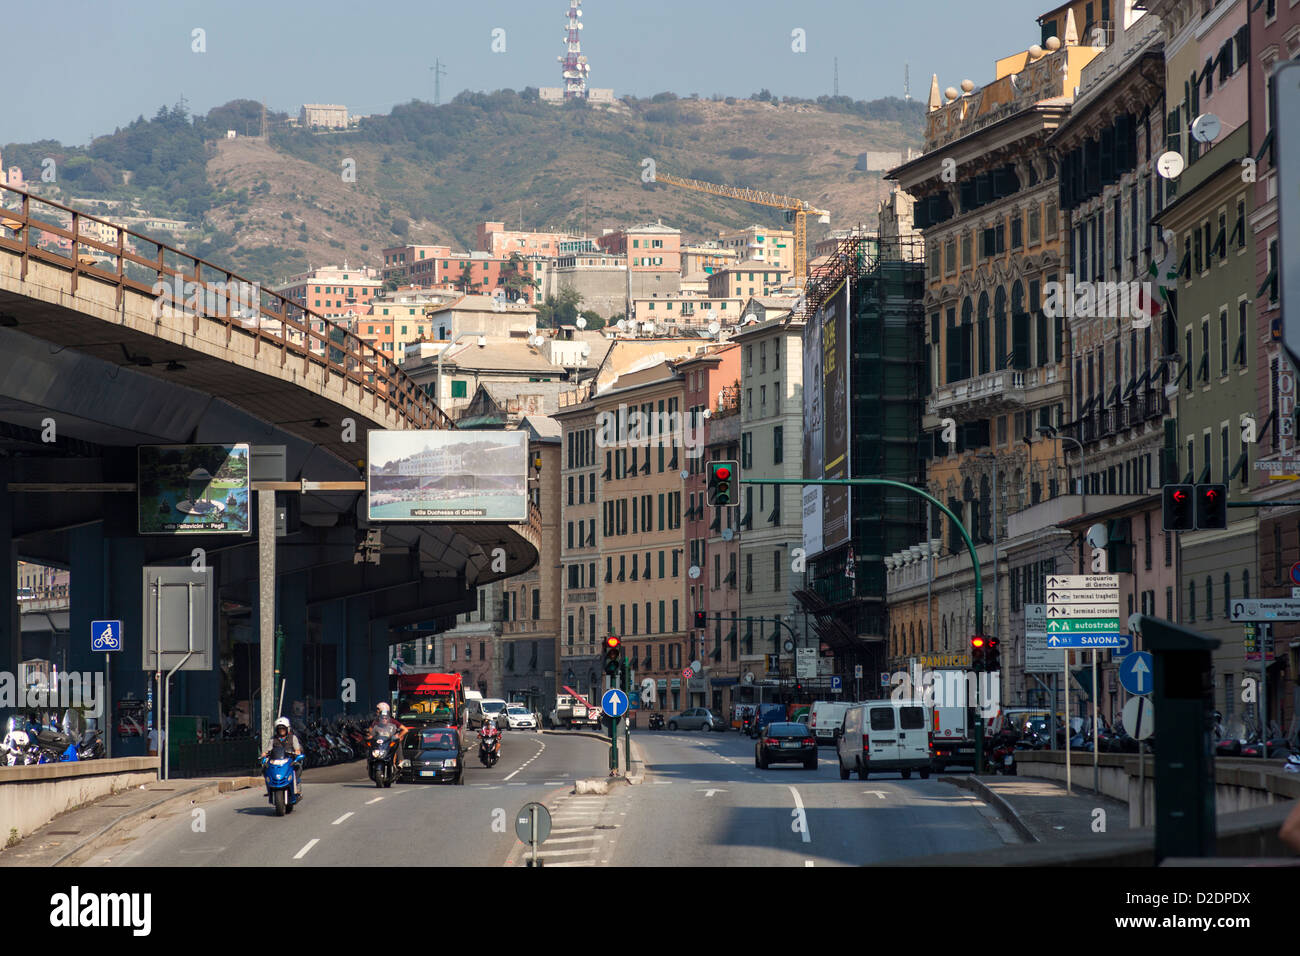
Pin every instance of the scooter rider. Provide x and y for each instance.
(285, 736)
(487, 732)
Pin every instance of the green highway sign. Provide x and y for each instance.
(1080, 626)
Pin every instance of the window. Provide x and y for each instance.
(778, 444)
(459, 388)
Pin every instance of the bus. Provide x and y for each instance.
(430, 699)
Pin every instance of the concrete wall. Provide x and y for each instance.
(31, 797)
(603, 288)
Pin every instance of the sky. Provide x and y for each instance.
(99, 64)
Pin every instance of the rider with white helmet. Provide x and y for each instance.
(285, 737)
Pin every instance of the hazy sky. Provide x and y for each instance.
(97, 65)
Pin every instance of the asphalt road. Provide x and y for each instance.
(703, 803)
(345, 820)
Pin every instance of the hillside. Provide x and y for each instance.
(429, 174)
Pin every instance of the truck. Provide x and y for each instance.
(953, 719)
(573, 711)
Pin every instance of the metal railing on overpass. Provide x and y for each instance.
(90, 248)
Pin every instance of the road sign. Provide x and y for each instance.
(805, 662)
(836, 686)
(688, 673)
(1273, 609)
(1139, 718)
(614, 702)
(1136, 673)
(857, 671)
(1079, 640)
(884, 678)
(1082, 604)
(1039, 659)
(1124, 650)
(105, 636)
(524, 819)
(1295, 574)
(1253, 642)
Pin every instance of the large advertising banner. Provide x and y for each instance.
(812, 435)
(836, 530)
(193, 489)
(447, 476)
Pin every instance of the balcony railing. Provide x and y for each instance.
(1005, 385)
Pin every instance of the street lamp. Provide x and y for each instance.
(482, 343)
(1047, 431)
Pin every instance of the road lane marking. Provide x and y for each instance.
(802, 817)
(589, 851)
(305, 850)
(709, 793)
(577, 839)
(376, 800)
(807, 862)
(341, 819)
(879, 793)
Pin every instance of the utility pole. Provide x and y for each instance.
(837, 76)
(438, 73)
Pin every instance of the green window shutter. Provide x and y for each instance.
(459, 388)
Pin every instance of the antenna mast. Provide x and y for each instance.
(438, 73)
(837, 76)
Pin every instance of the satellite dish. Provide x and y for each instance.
(621, 325)
(685, 474)
(706, 413)
(694, 571)
(648, 327)
(714, 328)
(727, 534)
(1206, 128)
(1097, 536)
(581, 323)
(586, 351)
(697, 666)
(1171, 165)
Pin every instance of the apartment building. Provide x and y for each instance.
(707, 258)
(499, 242)
(772, 247)
(337, 293)
(467, 365)
(578, 659)
(715, 552)
(653, 255)
(413, 264)
(1274, 38)
(1207, 54)
(748, 278)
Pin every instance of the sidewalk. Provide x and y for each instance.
(79, 832)
(1042, 811)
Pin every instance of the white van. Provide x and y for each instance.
(491, 709)
(825, 717)
(884, 736)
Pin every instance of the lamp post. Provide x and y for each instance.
(1047, 431)
(482, 342)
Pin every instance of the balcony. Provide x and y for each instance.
(990, 394)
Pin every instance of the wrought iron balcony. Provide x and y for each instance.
(991, 393)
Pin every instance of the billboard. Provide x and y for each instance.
(833, 320)
(193, 489)
(812, 435)
(447, 476)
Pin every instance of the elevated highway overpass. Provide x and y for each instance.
(110, 340)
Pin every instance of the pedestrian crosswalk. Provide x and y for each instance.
(583, 831)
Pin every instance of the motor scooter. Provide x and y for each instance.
(381, 764)
(489, 749)
(656, 721)
(280, 772)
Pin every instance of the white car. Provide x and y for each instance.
(520, 718)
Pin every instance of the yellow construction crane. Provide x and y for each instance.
(796, 209)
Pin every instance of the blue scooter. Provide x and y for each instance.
(280, 771)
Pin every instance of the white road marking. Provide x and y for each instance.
(803, 817)
(807, 862)
(879, 793)
(553, 783)
(590, 851)
(512, 774)
(573, 863)
(376, 800)
(577, 839)
(709, 793)
(341, 819)
(305, 850)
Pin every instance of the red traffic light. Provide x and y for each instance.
(1180, 495)
(1211, 493)
(977, 642)
(722, 472)
(612, 642)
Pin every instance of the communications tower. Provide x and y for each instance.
(575, 64)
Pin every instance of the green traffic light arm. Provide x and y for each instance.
(970, 545)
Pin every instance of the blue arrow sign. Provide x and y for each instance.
(1076, 640)
(1136, 673)
(614, 702)
(105, 636)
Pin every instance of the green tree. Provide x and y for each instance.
(594, 321)
(514, 279)
(466, 279)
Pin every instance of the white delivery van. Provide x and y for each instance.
(885, 736)
(825, 717)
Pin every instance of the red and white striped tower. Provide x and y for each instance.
(575, 64)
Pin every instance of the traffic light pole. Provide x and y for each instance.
(970, 546)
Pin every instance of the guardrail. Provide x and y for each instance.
(102, 251)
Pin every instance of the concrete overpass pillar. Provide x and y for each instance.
(378, 660)
(292, 617)
(10, 620)
(108, 580)
(334, 632)
(356, 655)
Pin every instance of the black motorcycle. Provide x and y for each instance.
(381, 762)
(489, 749)
(656, 721)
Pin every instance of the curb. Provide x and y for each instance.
(996, 801)
(95, 840)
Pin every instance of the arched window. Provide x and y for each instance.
(982, 334)
(1000, 327)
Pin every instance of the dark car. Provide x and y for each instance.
(786, 743)
(432, 754)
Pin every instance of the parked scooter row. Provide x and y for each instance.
(335, 741)
(26, 746)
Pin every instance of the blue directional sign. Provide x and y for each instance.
(1082, 640)
(614, 702)
(105, 636)
(1124, 650)
(835, 684)
(1136, 673)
